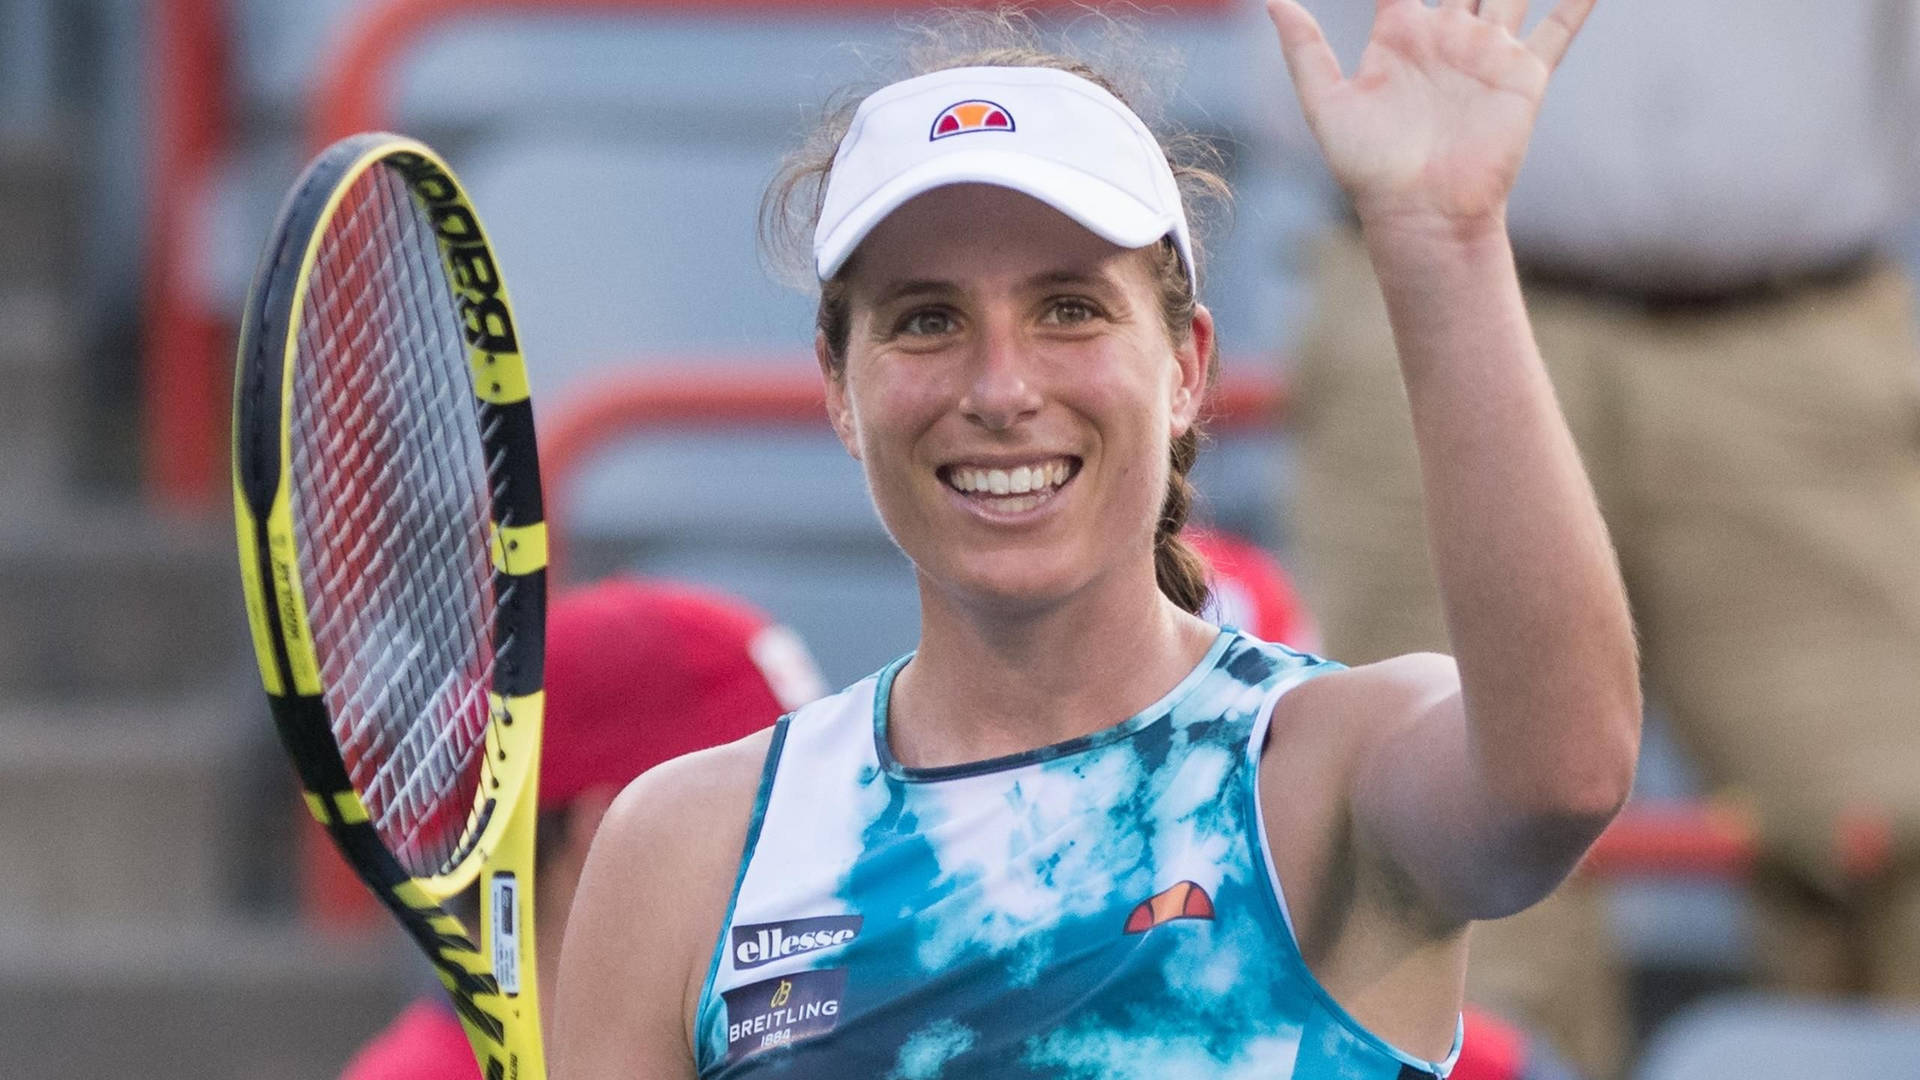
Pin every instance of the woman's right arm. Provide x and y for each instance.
(648, 912)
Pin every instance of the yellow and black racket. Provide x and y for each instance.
(393, 550)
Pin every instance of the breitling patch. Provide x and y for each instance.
(780, 1012)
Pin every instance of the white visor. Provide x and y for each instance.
(1045, 133)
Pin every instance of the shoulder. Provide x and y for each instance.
(1349, 706)
(649, 909)
(1322, 727)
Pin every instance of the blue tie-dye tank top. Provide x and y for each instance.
(1101, 908)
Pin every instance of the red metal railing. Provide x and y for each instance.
(1714, 839)
(714, 394)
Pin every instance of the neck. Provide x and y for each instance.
(990, 682)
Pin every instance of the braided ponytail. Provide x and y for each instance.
(1180, 571)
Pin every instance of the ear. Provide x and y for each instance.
(1190, 359)
(839, 410)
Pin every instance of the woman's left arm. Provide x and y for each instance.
(1484, 788)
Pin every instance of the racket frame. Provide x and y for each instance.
(501, 1017)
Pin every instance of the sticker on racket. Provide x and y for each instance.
(393, 553)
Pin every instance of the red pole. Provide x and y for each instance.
(182, 346)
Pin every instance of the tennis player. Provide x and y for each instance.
(638, 671)
(1080, 832)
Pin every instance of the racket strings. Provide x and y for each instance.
(431, 772)
(391, 507)
(429, 760)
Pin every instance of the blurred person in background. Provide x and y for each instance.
(1703, 228)
(1249, 589)
(637, 672)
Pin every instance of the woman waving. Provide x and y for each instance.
(1079, 831)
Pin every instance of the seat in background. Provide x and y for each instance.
(1761, 1037)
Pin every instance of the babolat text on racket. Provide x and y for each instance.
(393, 551)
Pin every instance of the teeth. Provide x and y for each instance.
(1014, 504)
(1020, 480)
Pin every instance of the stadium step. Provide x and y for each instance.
(111, 600)
(123, 810)
(39, 212)
(192, 997)
(39, 401)
(39, 329)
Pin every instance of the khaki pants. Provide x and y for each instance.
(1758, 463)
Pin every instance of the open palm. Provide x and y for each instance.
(1434, 122)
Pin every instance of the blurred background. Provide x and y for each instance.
(164, 910)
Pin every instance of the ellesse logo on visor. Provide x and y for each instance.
(967, 116)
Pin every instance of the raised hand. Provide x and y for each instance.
(1431, 127)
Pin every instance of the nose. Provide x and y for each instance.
(1000, 390)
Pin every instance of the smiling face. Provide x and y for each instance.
(1011, 388)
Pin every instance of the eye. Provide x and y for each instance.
(926, 322)
(1071, 311)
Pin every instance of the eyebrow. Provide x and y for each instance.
(921, 286)
(1071, 277)
(910, 287)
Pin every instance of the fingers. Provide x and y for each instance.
(1550, 39)
(1310, 60)
(1505, 13)
(1464, 5)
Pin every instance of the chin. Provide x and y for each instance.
(1011, 582)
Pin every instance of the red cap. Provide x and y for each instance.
(1252, 592)
(642, 671)
(1492, 1049)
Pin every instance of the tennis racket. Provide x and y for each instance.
(393, 553)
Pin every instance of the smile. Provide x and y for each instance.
(1011, 489)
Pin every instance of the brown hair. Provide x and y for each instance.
(1008, 37)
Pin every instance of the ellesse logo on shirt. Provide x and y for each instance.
(763, 943)
(1184, 900)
